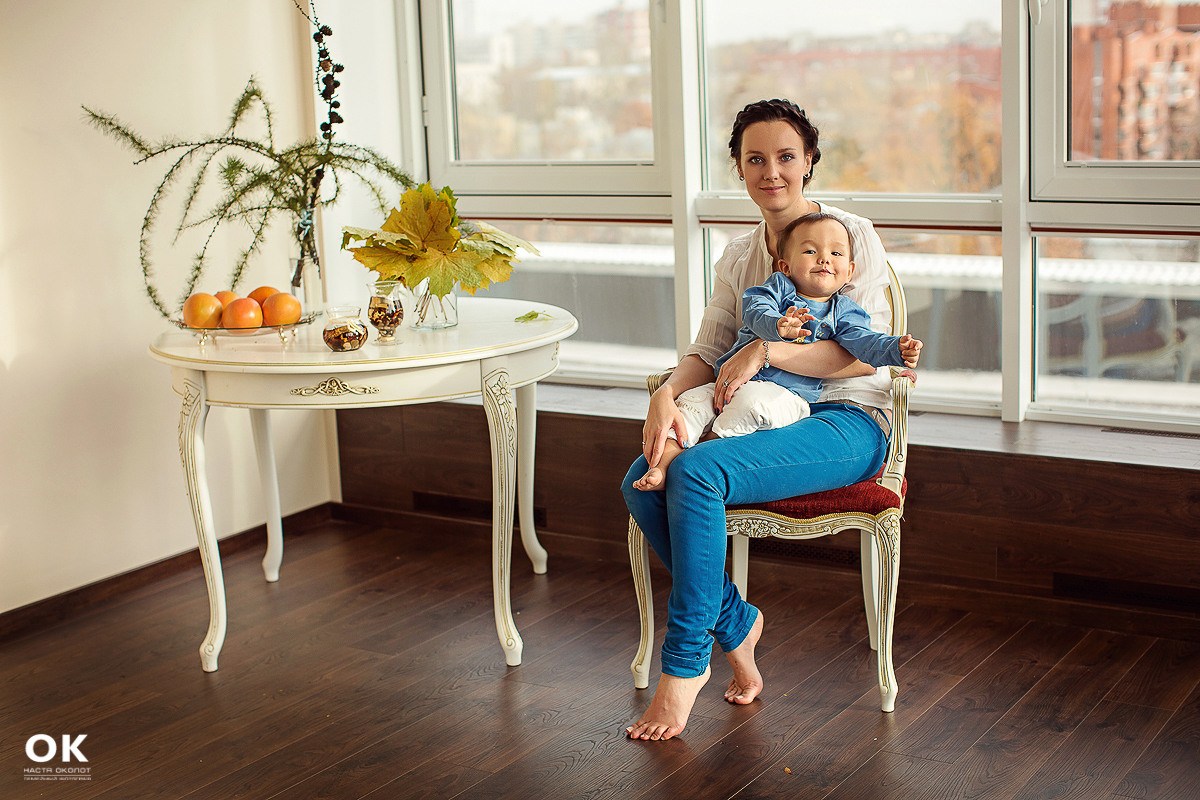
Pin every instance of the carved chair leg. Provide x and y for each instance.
(639, 561)
(887, 537)
(869, 555)
(740, 547)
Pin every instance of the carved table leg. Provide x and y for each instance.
(502, 427)
(190, 386)
(260, 425)
(527, 436)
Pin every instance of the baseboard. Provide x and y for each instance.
(75, 602)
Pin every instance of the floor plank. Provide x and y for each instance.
(957, 721)
(1169, 769)
(1097, 754)
(1013, 749)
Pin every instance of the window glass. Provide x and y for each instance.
(952, 287)
(907, 96)
(1134, 81)
(618, 281)
(1118, 323)
(539, 80)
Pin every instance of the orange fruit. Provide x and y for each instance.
(202, 310)
(261, 294)
(280, 309)
(242, 313)
(226, 297)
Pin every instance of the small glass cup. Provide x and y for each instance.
(344, 330)
(384, 310)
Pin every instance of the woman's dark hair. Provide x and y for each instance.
(769, 111)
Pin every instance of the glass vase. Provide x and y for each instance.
(430, 312)
(344, 330)
(385, 310)
(306, 281)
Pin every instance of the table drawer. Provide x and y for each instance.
(343, 389)
(377, 387)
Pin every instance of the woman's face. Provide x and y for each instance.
(773, 163)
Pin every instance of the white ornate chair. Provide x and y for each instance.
(874, 507)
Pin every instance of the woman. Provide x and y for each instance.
(843, 441)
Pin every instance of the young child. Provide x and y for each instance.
(815, 264)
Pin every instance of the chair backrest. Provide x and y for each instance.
(899, 306)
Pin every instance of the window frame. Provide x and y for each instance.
(1056, 176)
(1022, 210)
(553, 178)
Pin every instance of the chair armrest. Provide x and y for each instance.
(897, 454)
(657, 379)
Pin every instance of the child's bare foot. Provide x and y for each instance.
(669, 710)
(747, 681)
(654, 480)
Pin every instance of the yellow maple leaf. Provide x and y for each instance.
(425, 239)
(390, 264)
(427, 218)
(444, 270)
(494, 266)
(495, 269)
(506, 242)
(382, 238)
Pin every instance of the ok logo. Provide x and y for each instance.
(70, 748)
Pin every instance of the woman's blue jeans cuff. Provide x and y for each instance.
(737, 640)
(680, 667)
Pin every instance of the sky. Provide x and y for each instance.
(736, 20)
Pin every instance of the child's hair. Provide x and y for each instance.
(808, 219)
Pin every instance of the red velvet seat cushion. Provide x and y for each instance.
(866, 497)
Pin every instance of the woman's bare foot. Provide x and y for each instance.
(747, 681)
(669, 710)
(652, 481)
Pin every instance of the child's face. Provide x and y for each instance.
(818, 259)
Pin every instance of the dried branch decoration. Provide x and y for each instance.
(257, 180)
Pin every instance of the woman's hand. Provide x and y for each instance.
(662, 417)
(737, 371)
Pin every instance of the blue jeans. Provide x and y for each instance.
(836, 446)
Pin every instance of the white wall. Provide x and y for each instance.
(373, 94)
(90, 482)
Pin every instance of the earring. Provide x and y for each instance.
(741, 177)
(809, 175)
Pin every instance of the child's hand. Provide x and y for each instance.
(910, 350)
(791, 326)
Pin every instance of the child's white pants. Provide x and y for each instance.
(756, 406)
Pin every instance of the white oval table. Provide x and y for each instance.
(487, 353)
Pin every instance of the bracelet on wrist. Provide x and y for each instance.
(766, 356)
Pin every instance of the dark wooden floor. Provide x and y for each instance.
(372, 670)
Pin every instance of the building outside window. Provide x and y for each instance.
(1116, 90)
(907, 96)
